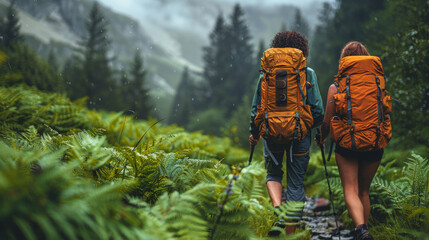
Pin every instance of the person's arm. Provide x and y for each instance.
(329, 113)
(253, 111)
(254, 136)
(314, 98)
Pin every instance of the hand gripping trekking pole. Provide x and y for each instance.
(327, 179)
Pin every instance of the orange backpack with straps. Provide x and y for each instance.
(362, 121)
(283, 114)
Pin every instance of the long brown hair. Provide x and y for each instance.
(354, 48)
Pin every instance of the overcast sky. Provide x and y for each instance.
(130, 5)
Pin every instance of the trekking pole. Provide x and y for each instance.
(251, 154)
(228, 191)
(329, 185)
(250, 161)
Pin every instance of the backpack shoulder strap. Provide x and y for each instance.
(298, 78)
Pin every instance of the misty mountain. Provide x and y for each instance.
(59, 25)
(183, 26)
(169, 33)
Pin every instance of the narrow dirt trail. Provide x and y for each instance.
(319, 219)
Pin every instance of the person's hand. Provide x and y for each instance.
(320, 143)
(253, 141)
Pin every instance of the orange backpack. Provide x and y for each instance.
(283, 114)
(362, 121)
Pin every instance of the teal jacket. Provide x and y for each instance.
(313, 98)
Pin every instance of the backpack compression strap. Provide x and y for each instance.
(349, 112)
(266, 113)
(380, 110)
(270, 153)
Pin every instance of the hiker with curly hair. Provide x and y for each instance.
(358, 120)
(286, 105)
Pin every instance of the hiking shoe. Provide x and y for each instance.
(361, 233)
(281, 223)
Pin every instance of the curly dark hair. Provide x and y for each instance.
(292, 39)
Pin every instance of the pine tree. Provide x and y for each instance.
(300, 24)
(347, 23)
(241, 72)
(74, 78)
(216, 57)
(320, 45)
(97, 78)
(52, 60)
(10, 29)
(259, 53)
(137, 95)
(24, 66)
(229, 61)
(182, 107)
(229, 69)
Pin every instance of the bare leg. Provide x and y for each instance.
(275, 191)
(367, 171)
(348, 169)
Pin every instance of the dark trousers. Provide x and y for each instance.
(296, 166)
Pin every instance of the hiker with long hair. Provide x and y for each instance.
(286, 105)
(357, 118)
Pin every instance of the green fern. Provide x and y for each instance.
(417, 171)
(73, 173)
(53, 204)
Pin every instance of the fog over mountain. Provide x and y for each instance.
(169, 33)
(183, 26)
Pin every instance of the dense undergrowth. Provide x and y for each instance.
(70, 173)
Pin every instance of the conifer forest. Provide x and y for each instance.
(133, 123)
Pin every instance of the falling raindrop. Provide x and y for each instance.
(99, 99)
(193, 99)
